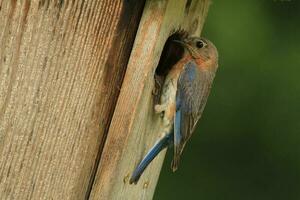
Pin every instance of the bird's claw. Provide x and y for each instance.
(158, 108)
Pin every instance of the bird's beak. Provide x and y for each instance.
(183, 43)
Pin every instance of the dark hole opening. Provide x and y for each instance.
(171, 54)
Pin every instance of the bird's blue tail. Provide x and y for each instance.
(158, 147)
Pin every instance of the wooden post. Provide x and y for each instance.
(61, 68)
(135, 127)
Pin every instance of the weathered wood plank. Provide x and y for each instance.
(134, 126)
(61, 66)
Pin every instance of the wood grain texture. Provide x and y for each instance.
(61, 67)
(135, 127)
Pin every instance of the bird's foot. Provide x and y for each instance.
(159, 108)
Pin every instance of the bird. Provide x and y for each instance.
(184, 95)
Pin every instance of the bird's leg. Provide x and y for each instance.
(156, 92)
(159, 80)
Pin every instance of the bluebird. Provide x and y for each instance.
(183, 98)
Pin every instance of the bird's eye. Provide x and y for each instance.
(200, 44)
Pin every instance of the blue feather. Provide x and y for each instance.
(177, 127)
(158, 147)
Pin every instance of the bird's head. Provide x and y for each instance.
(202, 50)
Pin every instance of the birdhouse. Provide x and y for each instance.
(77, 93)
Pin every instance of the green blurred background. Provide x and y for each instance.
(247, 145)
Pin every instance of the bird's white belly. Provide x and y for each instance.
(169, 91)
(168, 101)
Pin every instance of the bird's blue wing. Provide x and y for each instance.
(193, 88)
